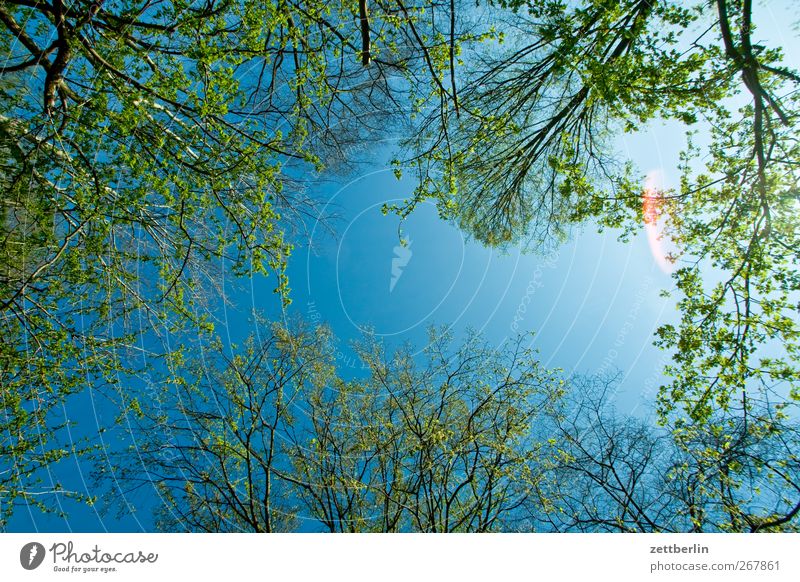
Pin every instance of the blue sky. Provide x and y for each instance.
(583, 299)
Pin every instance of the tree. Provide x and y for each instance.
(616, 473)
(32, 424)
(609, 472)
(123, 149)
(529, 155)
(438, 445)
(148, 149)
(740, 472)
(210, 443)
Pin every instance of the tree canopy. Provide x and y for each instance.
(151, 148)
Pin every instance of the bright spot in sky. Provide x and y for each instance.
(653, 226)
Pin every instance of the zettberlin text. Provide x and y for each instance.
(676, 549)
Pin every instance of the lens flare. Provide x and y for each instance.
(652, 201)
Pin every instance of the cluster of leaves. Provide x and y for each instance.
(528, 155)
(441, 446)
(212, 441)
